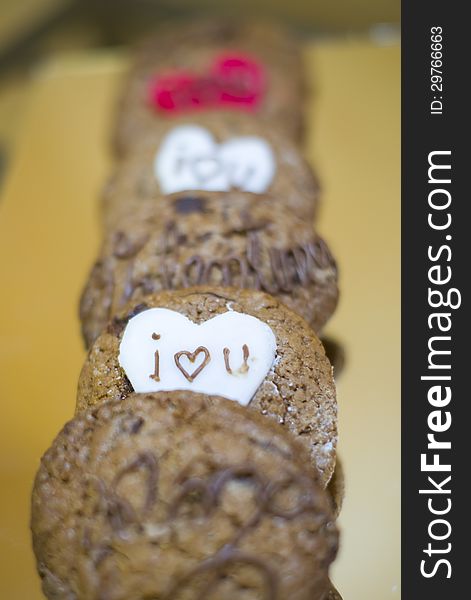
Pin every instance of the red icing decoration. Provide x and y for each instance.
(234, 81)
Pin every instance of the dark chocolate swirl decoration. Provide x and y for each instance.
(289, 267)
(170, 259)
(208, 492)
(226, 557)
(118, 509)
(205, 492)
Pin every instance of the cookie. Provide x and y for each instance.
(180, 496)
(248, 69)
(240, 344)
(216, 152)
(216, 238)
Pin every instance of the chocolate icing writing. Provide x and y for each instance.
(301, 258)
(254, 259)
(156, 374)
(209, 491)
(271, 269)
(245, 353)
(244, 367)
(190, 489)
(215, 265)
(280, 268)
(192, 357)
(240, 264)
(288, 266)
(97, 552)
(225, 557)
(202, 176)
(147, 461)
(120, 511)
(167, 274)
(197, 263)
(226, 353)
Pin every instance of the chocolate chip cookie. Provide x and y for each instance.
(216, 152)
(216, 238)
(250, 69)
(241, 344)
(180, 496)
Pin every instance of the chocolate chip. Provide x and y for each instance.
(136, 425)
(190, 204)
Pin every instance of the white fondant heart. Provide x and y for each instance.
(229, 355)
(190, 159)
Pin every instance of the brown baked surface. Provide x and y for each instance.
(134, 185)
(298, 391)
(217, 238)
(180, 496)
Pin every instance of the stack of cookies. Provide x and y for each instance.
(201, 463)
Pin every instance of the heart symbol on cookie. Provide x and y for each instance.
(189, 158)
(191, 356)
(228, 355)
(233, 81)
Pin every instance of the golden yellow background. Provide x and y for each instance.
(49, 237)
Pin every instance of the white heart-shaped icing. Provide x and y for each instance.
(190, 159)
(236, 353)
